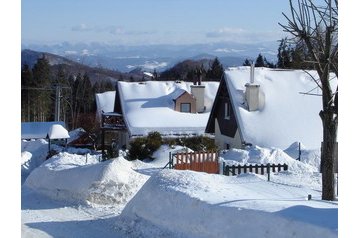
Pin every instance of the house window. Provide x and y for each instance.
(227, 111)
(227, 146)
(185, 107)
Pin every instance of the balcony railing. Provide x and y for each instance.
(113, 121)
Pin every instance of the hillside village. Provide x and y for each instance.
(148, 132)
(145, 138)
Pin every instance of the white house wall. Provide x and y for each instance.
(221, 140)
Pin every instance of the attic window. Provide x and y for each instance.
(227, 111)
(185, 107)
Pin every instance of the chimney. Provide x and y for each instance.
(253, 95)
(252, 73)
(198, 91)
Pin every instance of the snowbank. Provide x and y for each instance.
(189, 204)
(82, 179)
(259, 155)
(33, 154)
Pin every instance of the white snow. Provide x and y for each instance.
(288, 115)
(58, 132)
(71, 195)
(149, 107)
(37, 130)
(105, 102)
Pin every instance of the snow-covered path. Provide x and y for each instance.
(42, 217)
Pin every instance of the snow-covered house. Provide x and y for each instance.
(267, 107)
(170, 108)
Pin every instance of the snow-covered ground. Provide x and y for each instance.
(75, 195)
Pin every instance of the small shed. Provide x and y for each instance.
(57, 134)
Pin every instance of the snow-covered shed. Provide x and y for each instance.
(268, 108)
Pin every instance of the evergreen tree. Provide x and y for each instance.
(247, 62)
(260, 61)
(216, 71)
(43, 103)
(284, 55)
(27, 94)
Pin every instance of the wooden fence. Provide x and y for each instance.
(253, 168)
(197, 161)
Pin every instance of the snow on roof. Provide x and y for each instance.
(105, 102)
(150, 107)
(288, 114)
(37, 130)
(58, 132)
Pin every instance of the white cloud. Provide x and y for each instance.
(225, 32)
(243, 35)
(81, 27)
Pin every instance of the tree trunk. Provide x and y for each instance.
(328, 154)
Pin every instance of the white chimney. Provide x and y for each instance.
(198, 91)
(255, 98)
(252, 73)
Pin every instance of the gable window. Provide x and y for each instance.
(227, 111)
(185, 107)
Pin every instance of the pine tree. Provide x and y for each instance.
(26, 93)
(247, 62)
(216, 71)
(43, 103)
(284, 55)
(260, 61)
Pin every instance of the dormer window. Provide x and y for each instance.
(227, 111)
(185, 102)
(185, 107)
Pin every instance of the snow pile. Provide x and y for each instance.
(190, 204)
(33, 154)
(310, 157)
(75, 134)
(82, 179)
(259, 155)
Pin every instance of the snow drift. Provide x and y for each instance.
(75, 178)
(191, 204)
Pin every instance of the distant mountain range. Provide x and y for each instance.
(160, 57)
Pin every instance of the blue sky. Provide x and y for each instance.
(140, 22)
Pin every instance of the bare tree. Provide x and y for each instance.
(317, 27)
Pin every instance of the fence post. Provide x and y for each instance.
(268, 172)
(233, 170)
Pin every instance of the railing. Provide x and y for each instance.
(253, 168)
(197, 161)
(113, 121)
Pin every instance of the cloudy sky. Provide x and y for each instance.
(137, 22)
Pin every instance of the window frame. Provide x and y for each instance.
(183, 104)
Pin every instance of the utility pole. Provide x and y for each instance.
(58, 103)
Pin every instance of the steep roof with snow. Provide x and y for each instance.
(105, 102)
(149, 107)
(288, 114)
